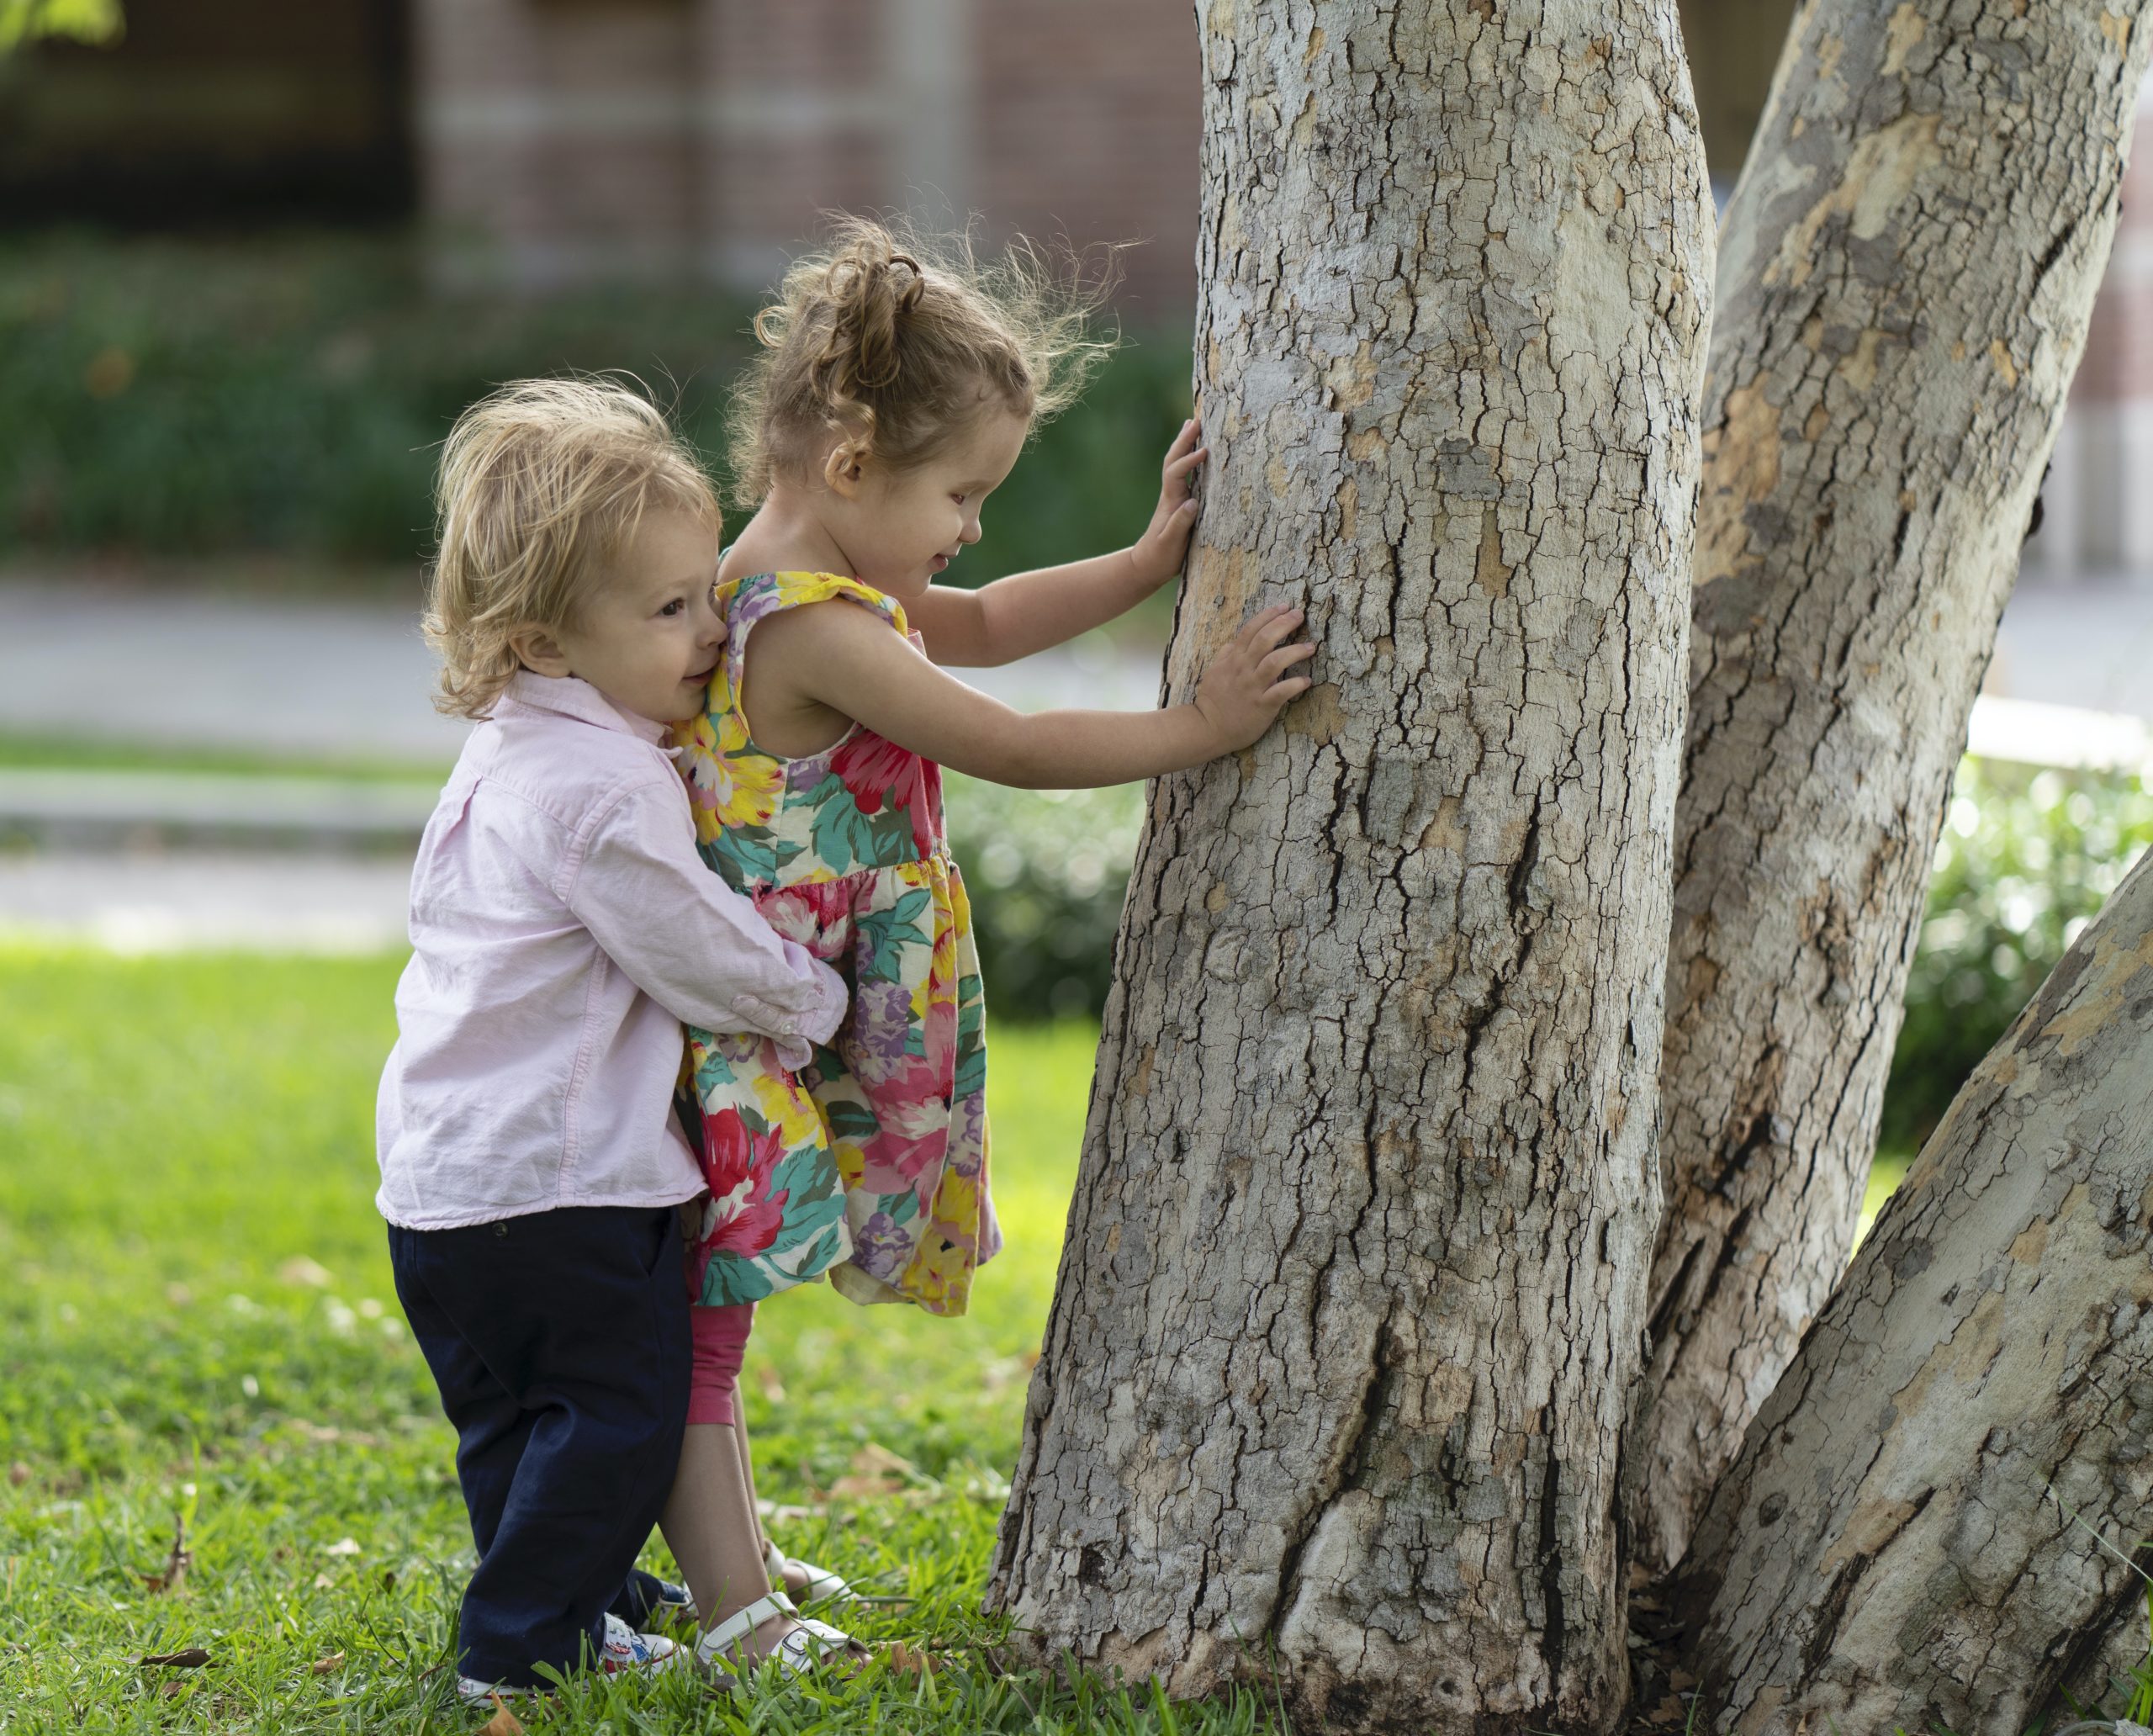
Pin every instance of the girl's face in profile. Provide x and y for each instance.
(901, 528)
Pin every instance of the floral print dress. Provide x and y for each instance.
(871, 1163)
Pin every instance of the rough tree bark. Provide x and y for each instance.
(1905, 271)
(1887, 1550)
(1352, 1296)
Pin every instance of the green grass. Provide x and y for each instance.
(197, 1317)
(54, 753)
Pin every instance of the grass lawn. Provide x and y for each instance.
(197, 1321)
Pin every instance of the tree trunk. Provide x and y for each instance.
(1905, 279)
(1909, 1536)
(1352, 1297)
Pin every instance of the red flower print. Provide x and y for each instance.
(732, 1153)
(876, 771)
(817, 913)
(738, 1166)
(754, 1226)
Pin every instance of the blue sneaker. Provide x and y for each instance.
(673, 1604)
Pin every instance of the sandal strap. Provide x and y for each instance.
(823, 1587)
(737, 1626)
(807, 1644)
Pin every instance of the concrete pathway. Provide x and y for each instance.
(136, 902)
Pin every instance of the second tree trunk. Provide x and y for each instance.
(1908, 268)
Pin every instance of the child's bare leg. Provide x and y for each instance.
(709, 1524)
(747, 1470)
(796, 1577)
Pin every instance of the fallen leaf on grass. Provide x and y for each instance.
(876, 1473)
(388, 1579)
(173, 1580)
(342, 1546)
(300, 1270)
(503, 1722)
(910, 1660)
(323, 1666)
(194, 1657)
(19, 1474)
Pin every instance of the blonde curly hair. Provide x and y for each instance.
(894, 342)
(541, 483)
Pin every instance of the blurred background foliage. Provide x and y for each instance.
(1046, 870)
(286, 394)
(21, 21)
(2025, 860)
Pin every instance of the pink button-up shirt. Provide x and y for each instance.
(563, 929)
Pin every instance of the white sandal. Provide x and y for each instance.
(810, 1644)
(823, 1586)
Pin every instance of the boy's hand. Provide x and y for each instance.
(1246, 685)
(1158, 554)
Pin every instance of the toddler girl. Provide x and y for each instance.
(562, 930)
(893, 395)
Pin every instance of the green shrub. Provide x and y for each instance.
(172, 398)
(2025, 860)
(1046, 870)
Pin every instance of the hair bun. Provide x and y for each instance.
(868, 295)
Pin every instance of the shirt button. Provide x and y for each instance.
(500, 1232)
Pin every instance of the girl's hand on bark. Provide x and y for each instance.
(1158, 555)
(1247, 683)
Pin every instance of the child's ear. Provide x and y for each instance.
(846, 468)
(538, 651)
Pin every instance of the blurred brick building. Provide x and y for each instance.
(563, 139)
(2097, 503)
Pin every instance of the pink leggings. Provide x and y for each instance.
(720, 1342)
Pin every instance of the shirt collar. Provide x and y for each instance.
(572, 696)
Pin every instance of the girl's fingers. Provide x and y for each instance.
(1274, 626)
(1292, 687)
(1283, 658)
(1251, 639)
(1186, 462)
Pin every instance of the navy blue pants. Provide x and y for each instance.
(559, 1342)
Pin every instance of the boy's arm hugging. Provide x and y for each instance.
(1026, 612)
(686, 938)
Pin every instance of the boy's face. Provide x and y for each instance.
(900, 530)
(648, 636)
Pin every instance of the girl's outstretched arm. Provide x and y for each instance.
(835, 658)
(1026, 612)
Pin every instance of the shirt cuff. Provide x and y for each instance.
(796, 1032)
